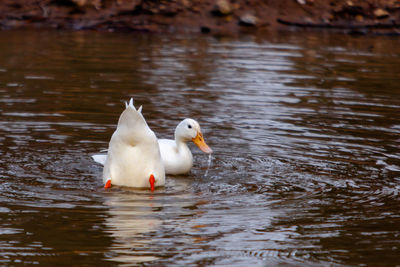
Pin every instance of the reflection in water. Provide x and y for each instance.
(134, 216)
(130, 217)
(304, 129)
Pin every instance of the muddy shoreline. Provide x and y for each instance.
(208, 16)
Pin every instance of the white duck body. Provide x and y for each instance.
(133, 153)
(177, 157)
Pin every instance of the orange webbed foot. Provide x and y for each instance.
(108, 183)
(152, 182)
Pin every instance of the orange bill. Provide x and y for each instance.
(199, 141)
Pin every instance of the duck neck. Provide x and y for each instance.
(181, 143)
(180, 139)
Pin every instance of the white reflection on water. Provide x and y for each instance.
(130, 216)
(135, 216)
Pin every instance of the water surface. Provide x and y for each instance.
(305, 130)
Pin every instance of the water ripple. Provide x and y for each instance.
(305, 169)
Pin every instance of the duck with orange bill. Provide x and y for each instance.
(176, 154)
(133, 158)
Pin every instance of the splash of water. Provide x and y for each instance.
(208, 165)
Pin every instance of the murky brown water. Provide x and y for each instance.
(305, 130)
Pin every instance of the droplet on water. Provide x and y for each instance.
(208, 165)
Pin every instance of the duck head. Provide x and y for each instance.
(189, 130)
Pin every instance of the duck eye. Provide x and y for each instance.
(189, 126)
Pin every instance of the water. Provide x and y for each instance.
(208, 165)
(304, 127)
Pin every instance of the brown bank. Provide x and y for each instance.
(213, 16)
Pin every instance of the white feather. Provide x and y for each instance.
(100, 158)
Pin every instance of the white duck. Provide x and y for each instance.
(133, 157)
(175, 154)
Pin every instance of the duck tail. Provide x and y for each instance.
(130, 104)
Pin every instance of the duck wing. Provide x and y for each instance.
(100, 158)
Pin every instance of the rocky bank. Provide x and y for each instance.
(209, 16)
